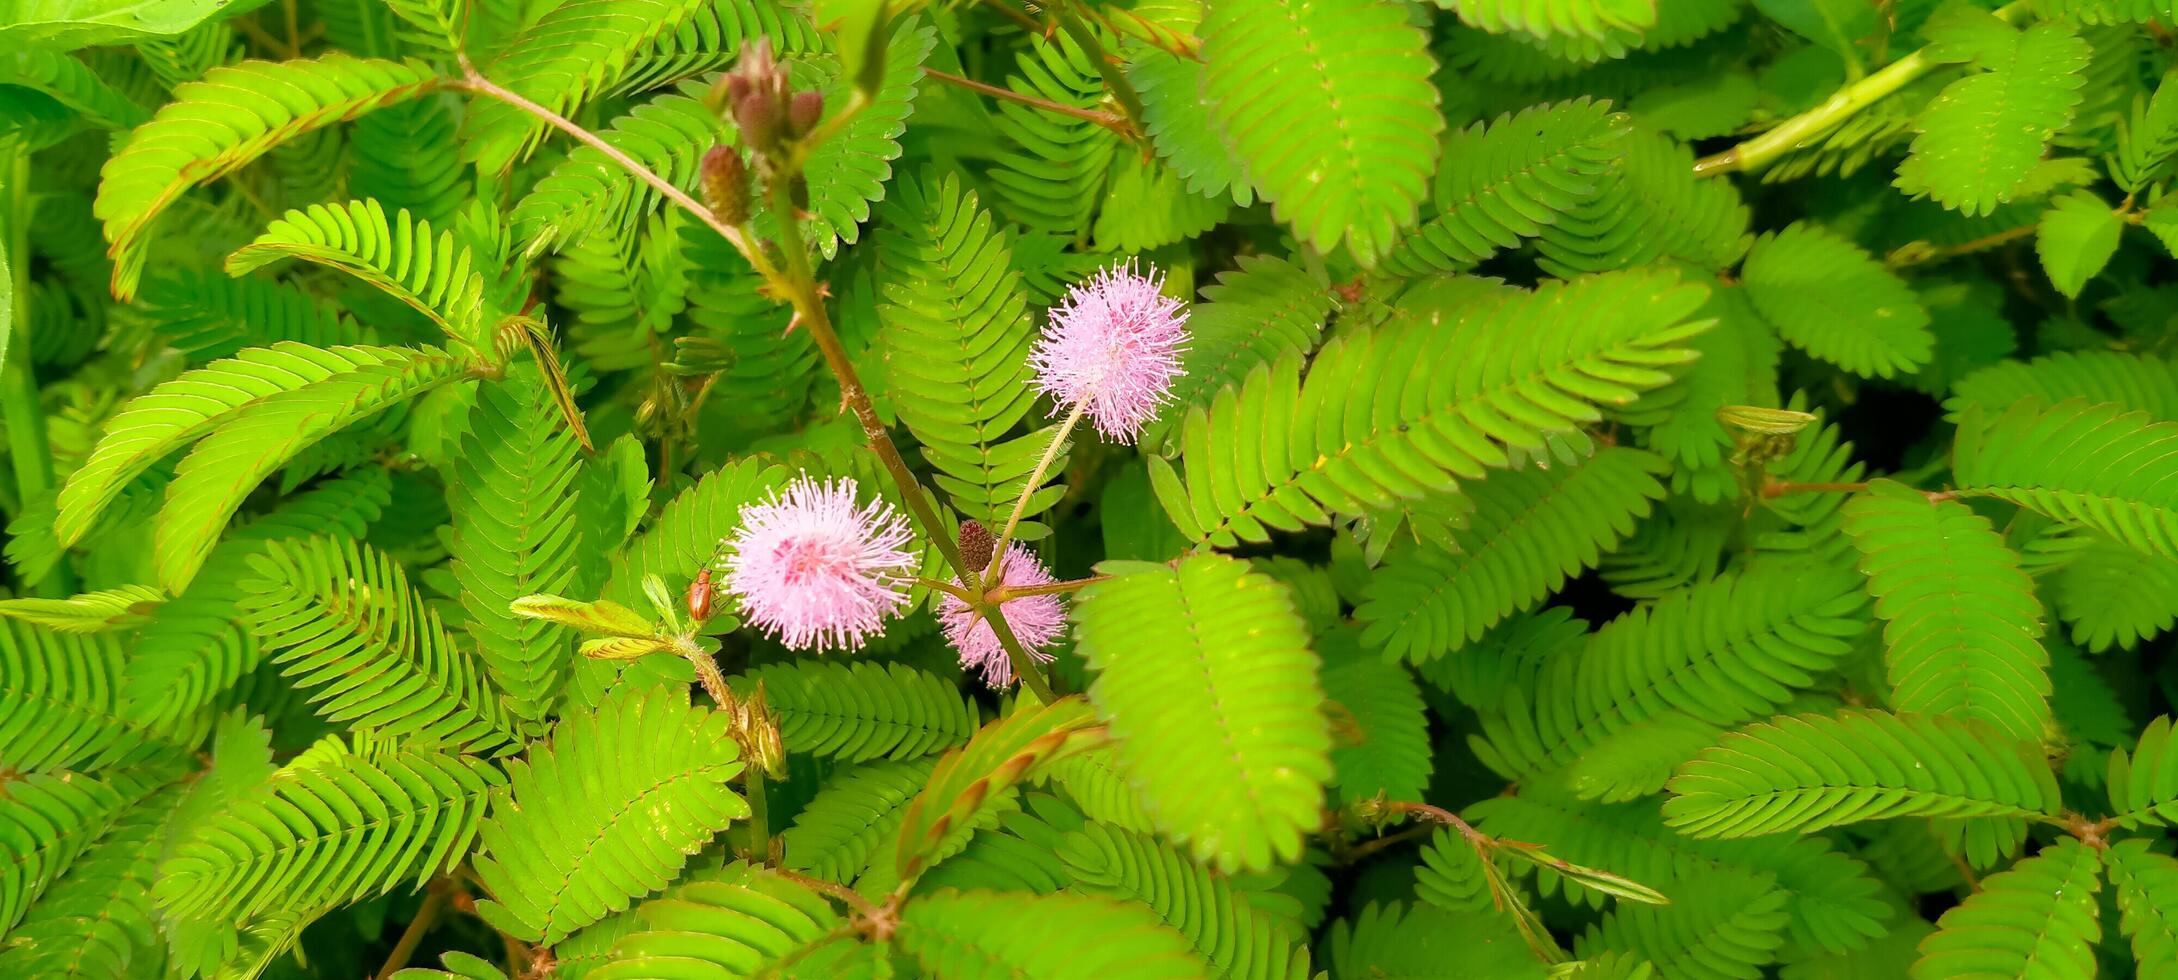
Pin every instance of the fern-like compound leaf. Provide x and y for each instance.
(1372, 423)
(514, 534)
(606, 812)
(2143, 783)
(211, 482)
(856, 811)
(1501, 184)
(1385, 753)
(434, 274)
(1205, 675)
(222, 123)
(957, 333)
(2145, 884)
(2038, 919)
(1237, 939)
(1810, 772)
(2135, 382)
(668, 134)
(207, 316)
(48, 820)
(1962, 627)
(346, 626)
(965, 935)
(1727, 929)
(1827, 297)
(1649, 207)
(567, 57)
(1531, 529)
(1980, 139)
(60, 704)
(178, 412)
(752, 923)
(2094, 465)
(1328, 106)
(968, 782)
(1256, 314)
(861, 711)
(98, 918)
(1721, 652)
(319, 835)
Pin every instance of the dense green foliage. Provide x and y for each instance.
(1660, 488)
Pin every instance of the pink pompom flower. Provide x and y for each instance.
(1036, 620)
(1113, 348)
(813, 569)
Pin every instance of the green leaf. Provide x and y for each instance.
(348, 629)
(48, 820)
(91, 612)
(861, 711)
(751, 923)
(97, 919)
(1962, 624)
(1810, 772)
(1504, 183)
(1725, 929)
(1237, 939)
(69, 24)
(1328, 106)
(2077, 236)
(970, 936)
(606, 812)
(2038, 919)
(2146, 886)
(1835, 25)
(853, 815)
(1828, 297)
(210, 483)
(1378, 706)
(1203, 672)
(2092, 465)
(1427, 943)
(1531, 529)
(1367, 428)
(319, 835)
(222, 123)
(1980, 139)
(1255, 314)
(434, 274)
(968, 781)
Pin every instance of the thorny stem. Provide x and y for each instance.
(1799, 131)
(1010, 592)
(427, 915)
(1104, 119)
(854, 899)
(1020, 506)
(799, 283)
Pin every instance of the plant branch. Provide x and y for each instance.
(854, 899)
(1105, 119)
(1123, 91)
(1028, 489)
(1907, 256)
(1801, 130)
(1007, 593)
(427, 915)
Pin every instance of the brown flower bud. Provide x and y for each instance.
(759, 115)
(804, 111)
(975, 545)
(726, 184)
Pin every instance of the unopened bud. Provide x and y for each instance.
(758, 115)
(804, 111)
(975, 545)
(726, 186)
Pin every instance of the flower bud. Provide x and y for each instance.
(975, 545)
(758, 115)
(804, 112)
(726, 186)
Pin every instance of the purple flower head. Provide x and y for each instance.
(1113, 347)
(1036, 620)
(813, 569)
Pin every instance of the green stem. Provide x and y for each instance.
(427, 914)
(1801, 130)
(752, 784)
(1010, 593)
(28, 454)
(1020, 506)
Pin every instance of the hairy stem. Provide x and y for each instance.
(854, 899)
(1012, 592)
(752, 785)
(1802, 130)
(1104, 119)
(1020, 505)
(714, 682)
(1123, 91)
(427, 915)
(798, 281)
